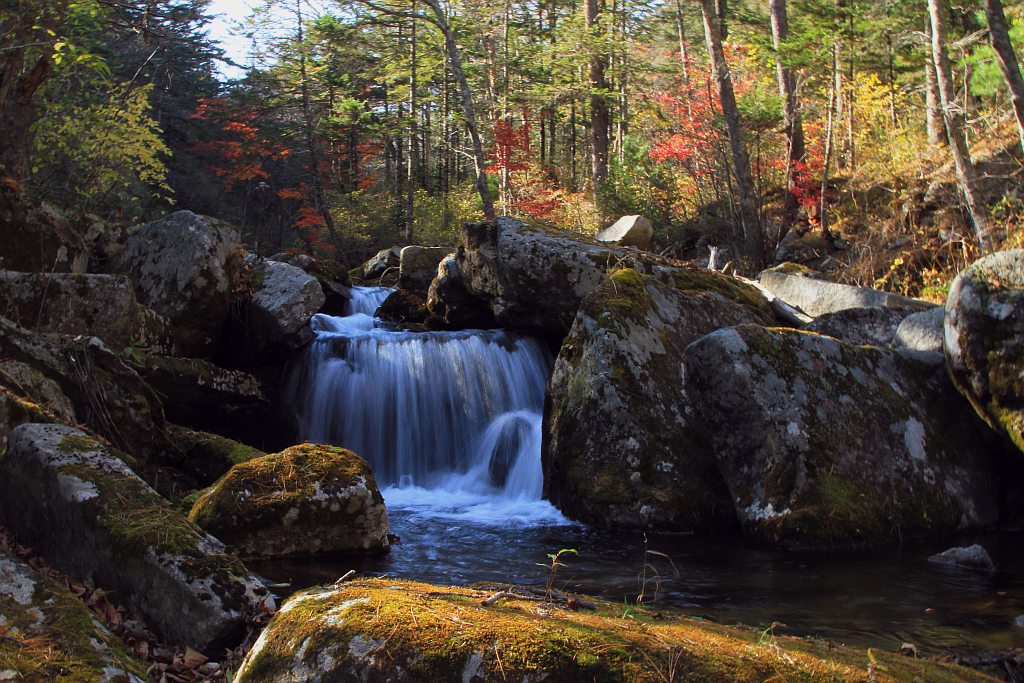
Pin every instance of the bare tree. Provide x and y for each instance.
(999, 36)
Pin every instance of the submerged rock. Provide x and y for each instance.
(77, 504)
(622, 449)
(824, 443)
(418, 267)
(818, 297)
(873, 326)
(385, 630)
(46, 633)
(305, 500)
(969, 557)
(628, 231)
(185, 268)
(984, 340)
(93, 305)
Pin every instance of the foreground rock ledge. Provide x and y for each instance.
(80, 507)
(382, 630)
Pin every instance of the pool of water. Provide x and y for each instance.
(882, 598)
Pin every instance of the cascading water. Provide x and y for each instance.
(450, 422)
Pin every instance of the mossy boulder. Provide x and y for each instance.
(93, 305)
(48, 634)
(621, 448)
(823, 443)
(185, 268)
(984, 340)
(306, 500)
(207, 457)
(448, 300)
(817, 297)
(386, 630)
(78, 505)
(871, 326)
(403, 307)
(36, 238)
(417, 267)
(16, 410)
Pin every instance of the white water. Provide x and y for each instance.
(450, 422)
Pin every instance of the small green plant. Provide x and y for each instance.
(553, 566)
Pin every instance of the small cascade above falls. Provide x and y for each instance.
(447, 420)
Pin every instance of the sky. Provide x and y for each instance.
(236, 47)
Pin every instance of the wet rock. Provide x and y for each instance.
(207, 457)
(185, 268)
(386, 630)
(380, 263)
(94, 305)
(36, 238)
(921, 331)
(873, 326)
(622, 448)
(274, 320)
(628, 231)
(305, 500)
(418, 267)
(818, 297)
(448, 299)
(402, 306)
(78, 505)
(969, 557)
(48, 634)
(984, 340)
(823, 443)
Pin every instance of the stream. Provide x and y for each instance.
(451, 425)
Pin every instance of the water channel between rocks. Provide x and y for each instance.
(450, 422)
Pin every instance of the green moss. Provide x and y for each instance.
(78, 444)
(790, 268)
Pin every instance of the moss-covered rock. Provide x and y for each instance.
(621, 447)
(823, 443)
(16, 410)
(206, 456)
(984, 340)
(78, 505)
(818, 297)
(384, 630)
(93, 305)
(46, 634)
(404, 307)
(306, 500)
(185, 267)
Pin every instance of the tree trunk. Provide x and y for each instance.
(953, 119)
(599, 114)
(999, 36)
(753, 241)
(933, 110)
(410, 173)
(787, 91)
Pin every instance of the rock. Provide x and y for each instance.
(36, 238)
(921, 331)
(94, 305)
(969, 557)
(628, 231)
(402, 306)
(381, 262)
(387, 630)
(984, 340)
(873, 326)
(198, 394)
(35, 387)
(305, 500)
(274, 322)
(418, 266)
(49, 634)
(621, 447)
(207, 457)
(89, 515)
(818, 297)
(16, 410)
(332, 276)
(185, 268)
(448, 299)
(823, 443)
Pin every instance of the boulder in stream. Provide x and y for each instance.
(76, 503)
(448, 299)
(969, 557)
(305, 500)
(418, 267)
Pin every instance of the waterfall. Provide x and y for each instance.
(449, 421)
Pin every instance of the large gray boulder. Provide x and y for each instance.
(622, 448)
(381, 262)
(448, 299)
(50, 635)
(418, 266)
(984, 340)
(818, 297)
(74, 502)
(93, 305)
(873, 326)
(921, 331)
(185, 268)
(823, 443)
(274, 322)
(628, 231)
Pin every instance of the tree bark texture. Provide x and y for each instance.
(999, 36)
